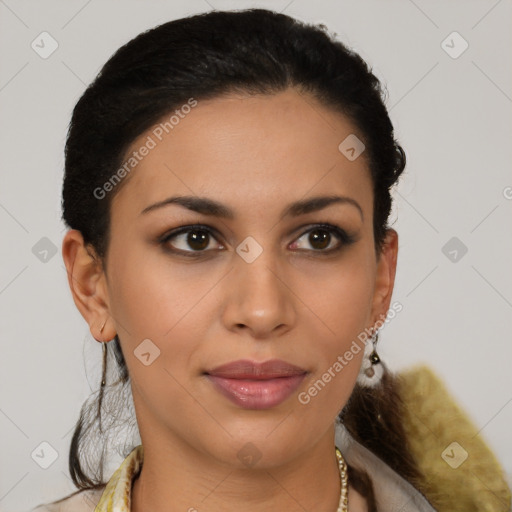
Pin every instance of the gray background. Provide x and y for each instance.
(452, 115)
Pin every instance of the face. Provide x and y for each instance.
(256, 279)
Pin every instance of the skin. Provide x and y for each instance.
(256, 155)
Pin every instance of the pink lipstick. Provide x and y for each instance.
(254, 385)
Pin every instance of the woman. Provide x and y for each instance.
(227, 189)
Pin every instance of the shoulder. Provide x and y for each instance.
(391, 491)
(79, 501)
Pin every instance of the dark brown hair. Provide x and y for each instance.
(252, 51)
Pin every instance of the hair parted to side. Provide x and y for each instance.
(253, 51)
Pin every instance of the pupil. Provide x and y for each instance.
(198, 241)
(319, 241)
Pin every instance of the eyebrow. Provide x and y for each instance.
(213, 208)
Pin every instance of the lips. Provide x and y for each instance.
(255, 385)
(245, 369)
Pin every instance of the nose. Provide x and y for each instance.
(258, 297)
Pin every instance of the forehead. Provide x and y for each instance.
(246, 150)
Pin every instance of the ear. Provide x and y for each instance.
(87, 282)
(385, 276)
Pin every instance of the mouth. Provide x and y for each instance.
(254, 385)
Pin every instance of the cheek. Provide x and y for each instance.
(341, 307)
(155, 307)
(340, 295)
(154, 299)
(150, 295)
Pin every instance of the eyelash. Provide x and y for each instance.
(345, 239)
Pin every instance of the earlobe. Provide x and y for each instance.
(87, 284)
(385, 276)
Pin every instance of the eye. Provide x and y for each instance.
(320, 237)
(197, 238)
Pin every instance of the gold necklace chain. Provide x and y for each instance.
(343, 503)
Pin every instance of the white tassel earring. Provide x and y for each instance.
(371, 370)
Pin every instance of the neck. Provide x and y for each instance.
(177, 478)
